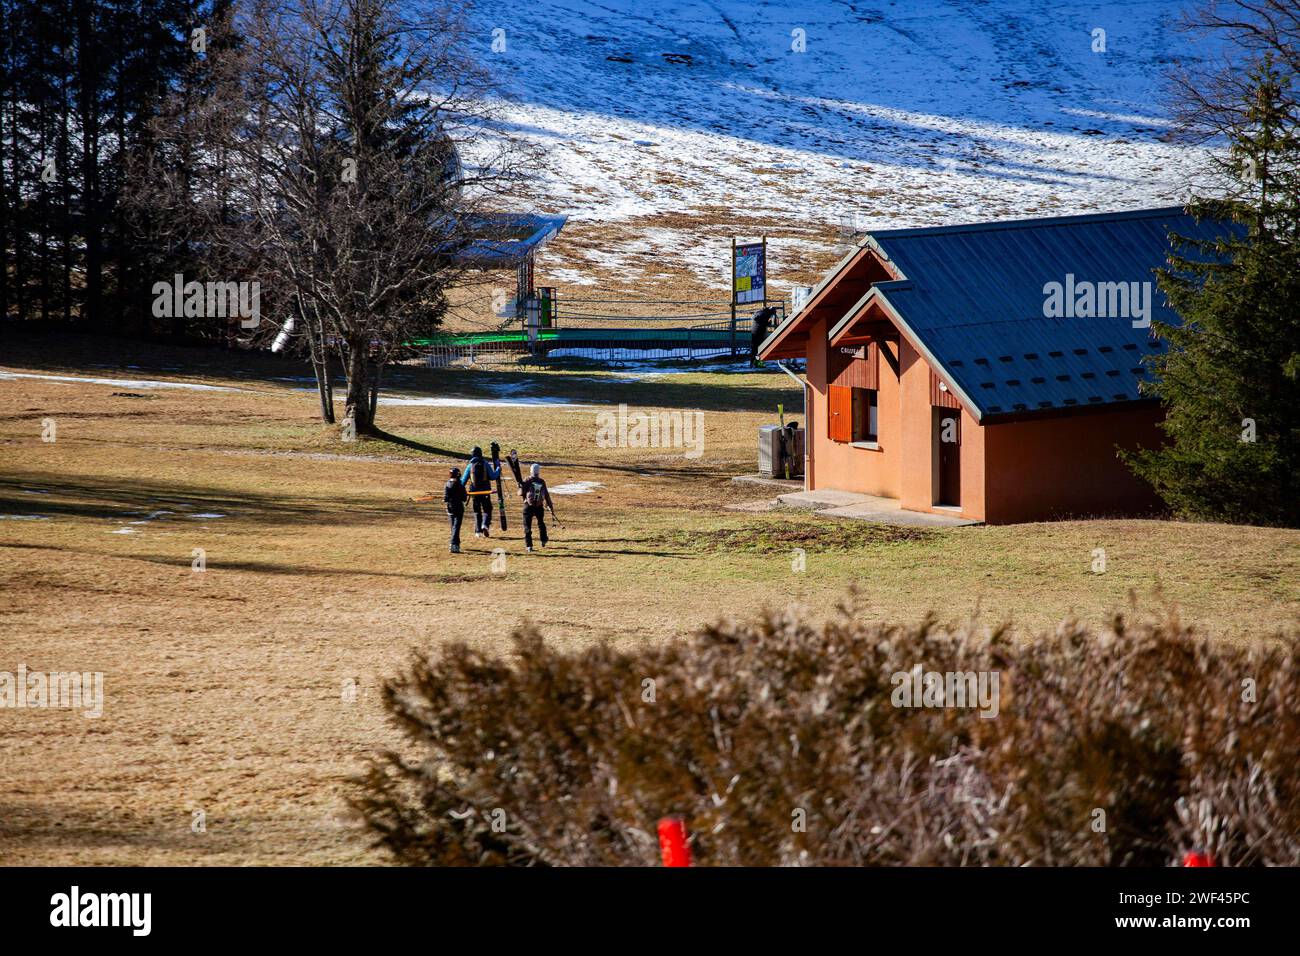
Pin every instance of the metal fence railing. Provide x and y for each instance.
(499, 353)
(611, 331)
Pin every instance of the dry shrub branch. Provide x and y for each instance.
(781, 743)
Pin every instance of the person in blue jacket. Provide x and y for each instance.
(477, 479)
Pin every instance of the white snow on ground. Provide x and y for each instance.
(900, 113)
(630, 372)
(506, 388)
(644, 369)
(438, 402)
(119, 382)
(575, 488)
(24, 517)
(132, 527)
(461, 402)
(152, 516)
(634, 356)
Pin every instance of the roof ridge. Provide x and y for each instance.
(1002, 224)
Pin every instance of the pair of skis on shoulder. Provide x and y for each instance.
(513, 461)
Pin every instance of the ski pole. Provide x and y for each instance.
(501, 501)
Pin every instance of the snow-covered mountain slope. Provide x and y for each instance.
(672, 124)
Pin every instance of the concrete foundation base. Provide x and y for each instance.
(848, 504)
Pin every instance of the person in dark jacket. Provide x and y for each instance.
(478, 478)
(537, 498)
(453, 495)
(762, 324)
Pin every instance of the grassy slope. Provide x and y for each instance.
(224, 688)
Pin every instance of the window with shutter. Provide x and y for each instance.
(864, 414)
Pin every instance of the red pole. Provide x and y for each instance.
(673, 842)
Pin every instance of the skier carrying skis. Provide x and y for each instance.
(453, 495)
(537, 498)
(478, 478)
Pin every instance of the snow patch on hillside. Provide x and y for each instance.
(906, 113)
(116, 382)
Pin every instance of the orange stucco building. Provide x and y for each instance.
(987, 371)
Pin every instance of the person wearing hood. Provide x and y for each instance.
(453, 496)
(478, 478)
(537, 498)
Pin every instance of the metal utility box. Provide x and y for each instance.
(769, 450)
(774, 444)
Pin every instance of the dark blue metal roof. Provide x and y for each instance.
(503, 240)
(973, 298)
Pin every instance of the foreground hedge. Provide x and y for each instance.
(781, 743)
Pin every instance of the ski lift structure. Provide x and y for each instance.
(606, 330)
(512, 241)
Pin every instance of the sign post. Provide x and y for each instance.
(748, 278)
(732, 326)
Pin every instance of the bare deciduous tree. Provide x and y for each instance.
(1212, 98)
(325, 162)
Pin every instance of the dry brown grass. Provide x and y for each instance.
(223, 689)
(799, 252)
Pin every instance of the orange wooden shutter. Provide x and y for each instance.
(840, 426)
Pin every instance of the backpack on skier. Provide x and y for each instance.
(478, 476)
(534, 492)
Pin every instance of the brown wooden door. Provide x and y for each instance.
(948, 425)
(840, 417)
